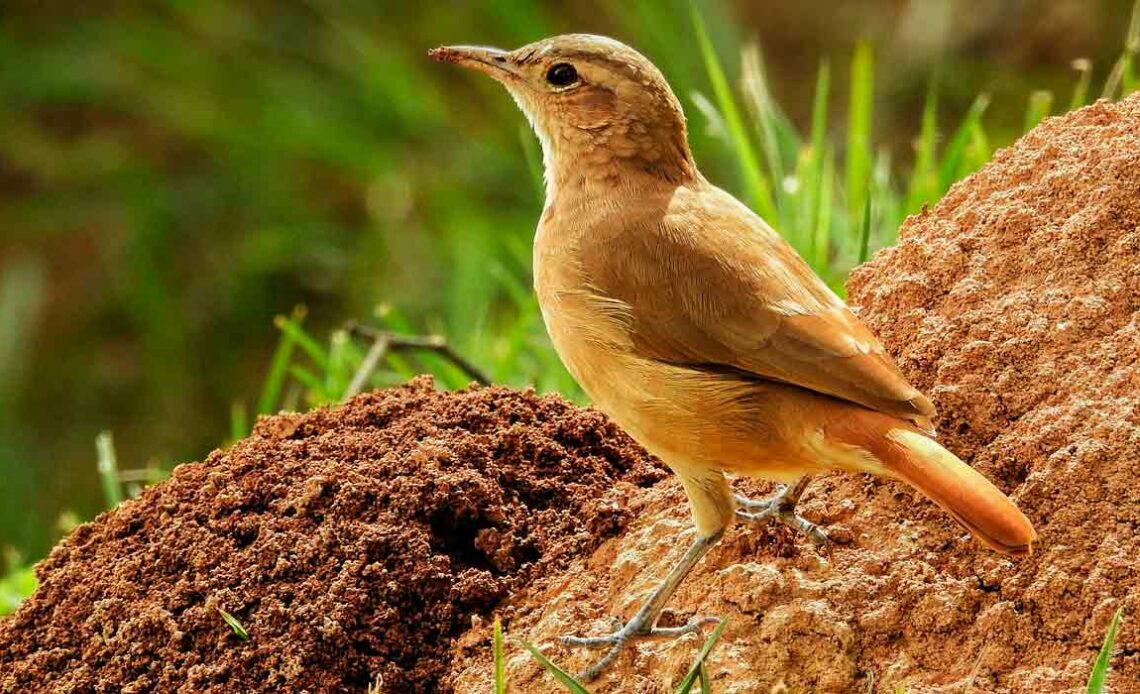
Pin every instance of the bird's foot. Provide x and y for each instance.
(624, 633)
(780, 507)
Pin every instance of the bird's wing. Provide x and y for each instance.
(705, 282)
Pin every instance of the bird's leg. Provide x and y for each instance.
(642, 624)
(781, 506)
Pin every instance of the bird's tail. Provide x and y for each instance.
(961, 491)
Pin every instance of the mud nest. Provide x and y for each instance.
(352, 543)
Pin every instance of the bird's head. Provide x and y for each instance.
(596, 105)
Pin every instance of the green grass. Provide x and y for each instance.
(18, 583)
(758, 190)
(560, 676)
(1099, 676)
(235, 625)
(499, 657)
(1125, 77)
(108, 469)
(837, 210)
(697, 670)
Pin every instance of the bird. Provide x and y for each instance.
(697, 328)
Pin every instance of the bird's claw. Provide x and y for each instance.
(617, 639)
(760, 505)
(779, 507)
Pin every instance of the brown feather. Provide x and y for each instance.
(703, 280)
(961, 491)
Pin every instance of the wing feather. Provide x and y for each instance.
(704, 281)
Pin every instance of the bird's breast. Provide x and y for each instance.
(589, 331)
(689, 418)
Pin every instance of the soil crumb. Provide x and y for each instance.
(352, 543)
(1015, 304)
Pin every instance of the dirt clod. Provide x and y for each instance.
(1015, 304)
(352, 543)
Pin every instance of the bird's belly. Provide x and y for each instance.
(690, 419)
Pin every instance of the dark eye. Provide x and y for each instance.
(562, 74)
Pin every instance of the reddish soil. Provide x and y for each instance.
(1015, 304)
(352, 543)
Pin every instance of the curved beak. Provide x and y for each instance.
(490, 61)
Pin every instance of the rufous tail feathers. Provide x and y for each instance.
(961, 491)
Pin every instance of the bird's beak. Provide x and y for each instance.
(490, 61)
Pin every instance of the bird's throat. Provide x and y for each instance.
(582, 167)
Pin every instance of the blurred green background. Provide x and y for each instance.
(174, 174)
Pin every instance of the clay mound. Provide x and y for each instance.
(1015, 304)
(352, 543)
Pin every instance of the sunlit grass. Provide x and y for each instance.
(568, 681)
(1099, 676)
(697, 670)
(108, 469)
(758, 190)
(834, 209)
(18, 583)
(500, 658)
(234, 624)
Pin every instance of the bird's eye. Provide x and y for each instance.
(562, 75)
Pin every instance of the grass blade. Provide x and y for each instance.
(979, 151)
(756, 86)
(16, 585)
(237, 627)
(339, 370)
(108, 469)
(819, 105)
(865, 233)
(757, 187)
(315, 388)
(1039, 107)
(951, 169)
(1099, 673)
(859, 127)
(1132, 38)
(1112, 84)
(292, 327)
(278, 366)
(500, 659)
(239, 420)
(888, 200)
(691, 677)
(1128, 77)
(564, 678)
(821, 235)
(814, 166)
(704, 679)
(923, 180)
(1122, 74)
(1080, 98)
